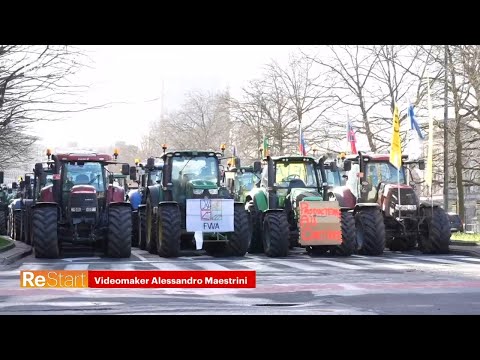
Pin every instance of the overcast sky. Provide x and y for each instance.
(135, 74)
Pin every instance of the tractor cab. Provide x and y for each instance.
(239, 180)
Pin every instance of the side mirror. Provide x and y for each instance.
(38, 169)
(1, 177)
(257, 167)
(111, 178)
(347, 165)
(14, 185)
(421, 164)
(125, 169)
(333, 166)
(150, 163)
(133, 173)
(42, 179)
(9, 190)
(237, 163)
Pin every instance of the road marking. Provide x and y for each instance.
(31, 267)
(141, 257)
(341, 264)
(259, 267)
(299, 266)
(364, 262)
(211, 266)
(465, 258)
(122, 266)
(76, 267)
(167, 266)
(82, 258)
(442, 261)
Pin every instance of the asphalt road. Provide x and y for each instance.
(395, 283)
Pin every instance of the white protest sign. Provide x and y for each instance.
(210, 215)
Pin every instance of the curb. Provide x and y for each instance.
(463, 243)
(16, 252)
(9, 246)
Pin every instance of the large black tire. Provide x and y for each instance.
(151, 229)
(347, 224)
(169, 231)
(435, 232)
(44, 232)
(276, 234)
(239, 240)
(17, 225)
(370, 230)
(135, 228)
(142, 229)
(256, 242)
(119, 240)
(3, 222)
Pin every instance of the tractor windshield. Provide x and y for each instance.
(288, 171)
(333, 177)
(245, 181)
(186, 168)
(90, 173)
(384, 172)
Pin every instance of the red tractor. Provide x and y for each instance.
(81, 206)
(372, 179)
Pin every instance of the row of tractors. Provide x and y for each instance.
(190, 200)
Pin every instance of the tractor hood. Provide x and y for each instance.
(83, 189)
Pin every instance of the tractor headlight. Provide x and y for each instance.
(90, 209)
(213, 191)
(76, 209)
(197, 191)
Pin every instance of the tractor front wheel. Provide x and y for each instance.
(256, 243)
(435, 231)
(151, 228)
(142, 229)
(169, 231)
(44, 233)
(347, 247)
(3, 222)
(239, 240)
(276, 234)
(119, 241)
(370, 230)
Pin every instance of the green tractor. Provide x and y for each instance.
(239, 180)
(190, 209)
(291, 208)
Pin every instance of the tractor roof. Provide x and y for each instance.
(374, 157)
(292, 158)
(84, 156)
(192, 153)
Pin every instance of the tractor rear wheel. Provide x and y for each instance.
(435, 231)
(169, 231)
(135, 228)
(239, 240)
(142, 229)
(370, 230)
(151, 228)
(256, 243)
(17, 225)
(119, 241)
(44, 233)
(276, 234)
(3, 223)
(347, 247)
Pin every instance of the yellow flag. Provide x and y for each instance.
(396, 147)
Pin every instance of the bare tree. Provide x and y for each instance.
(34, 86)
(203, 123)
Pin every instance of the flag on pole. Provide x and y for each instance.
(351, 139)
(414, 123)
(396, 148)
(303, 148)
(265, 146)
(429, 170)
